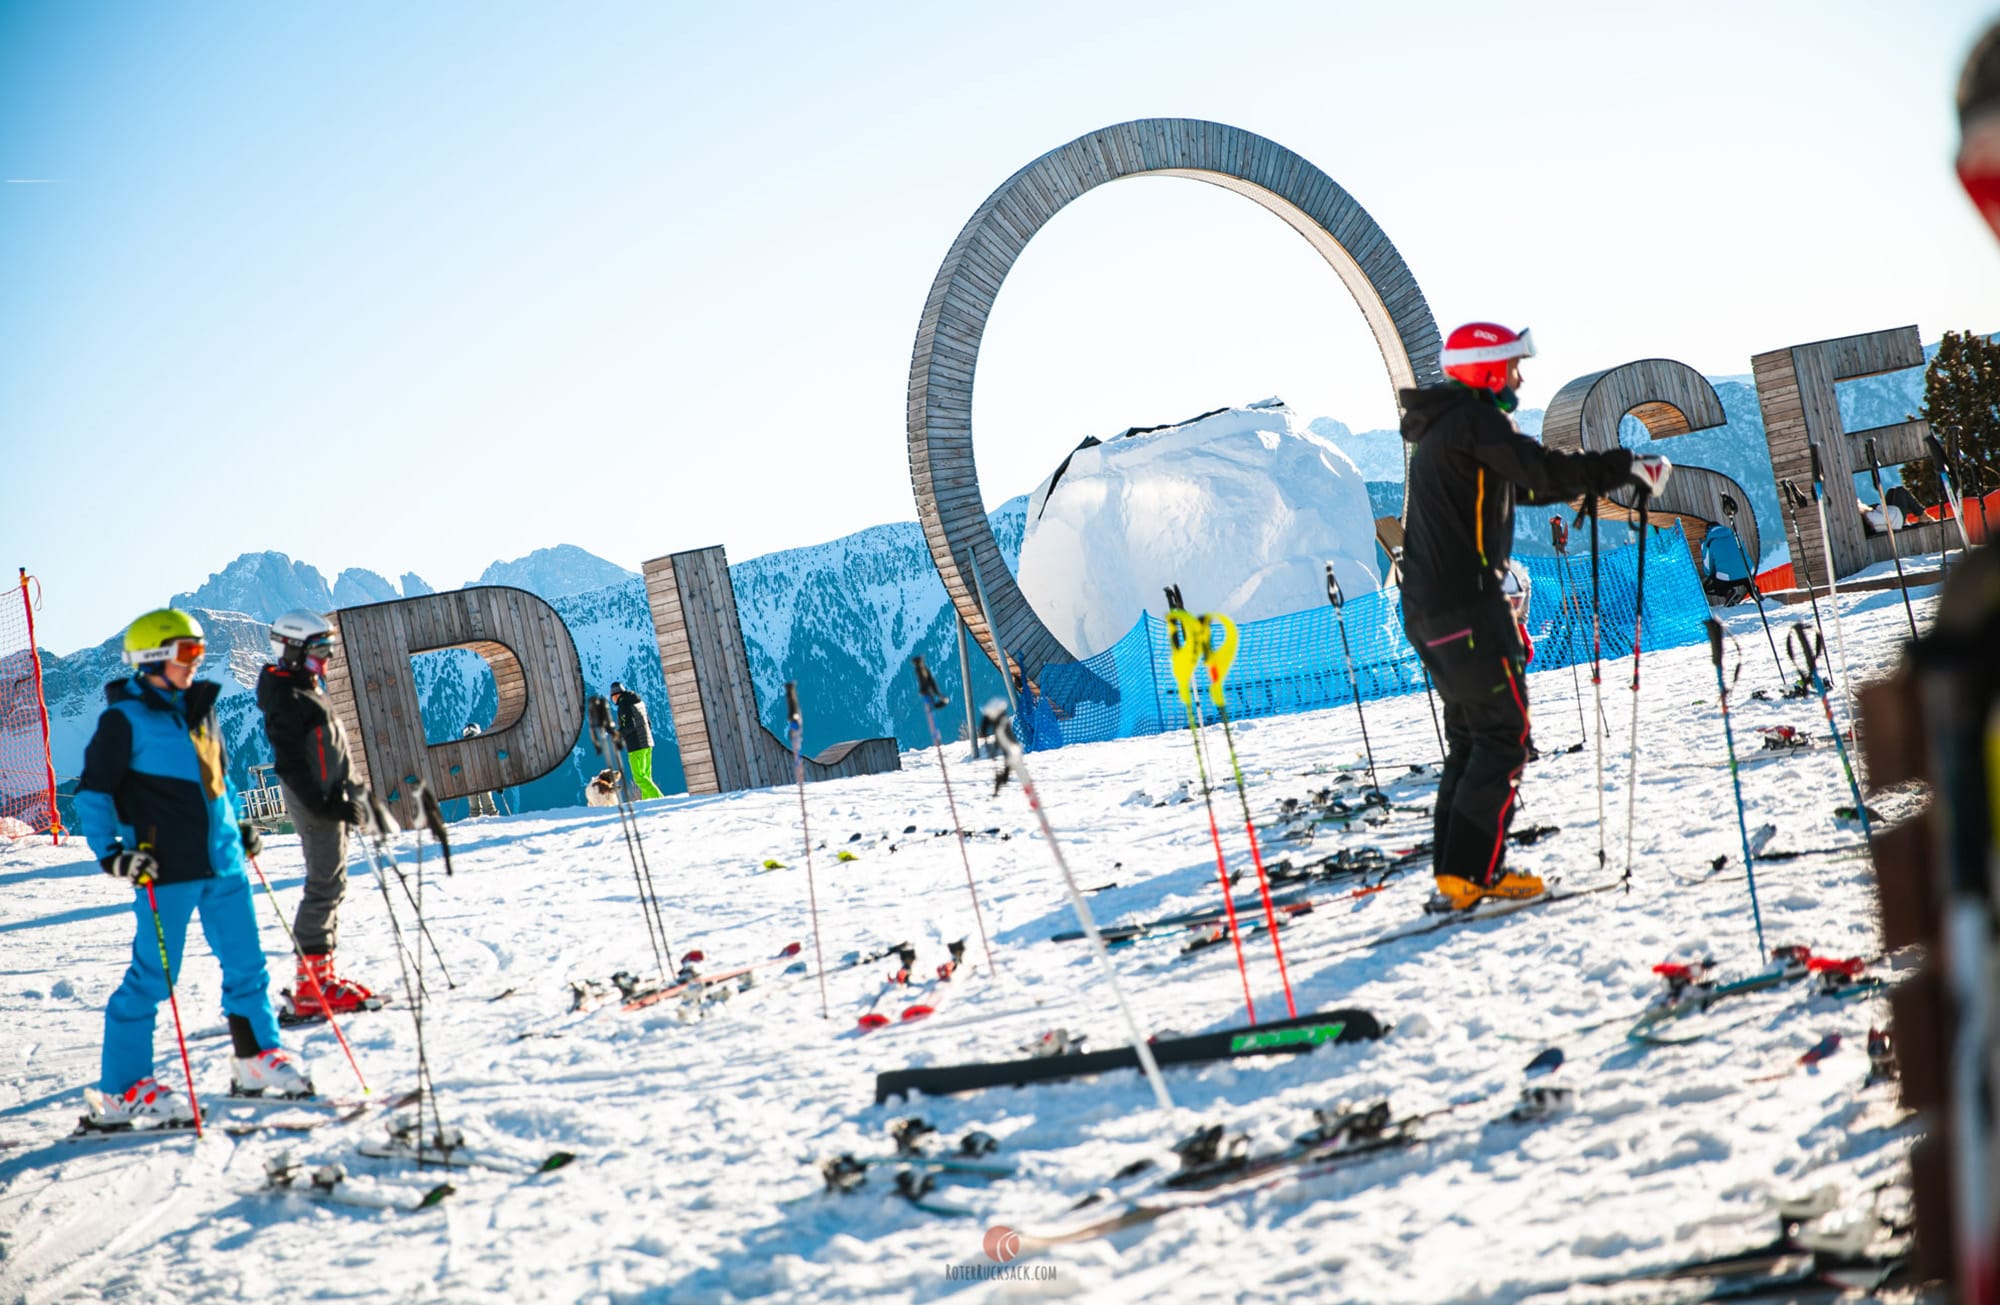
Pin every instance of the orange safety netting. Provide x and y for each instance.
(27, 774)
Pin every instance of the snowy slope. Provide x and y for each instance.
(692, 1133)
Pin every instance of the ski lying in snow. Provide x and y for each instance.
(329, 1184)
(689, 981)
(1278, 1037)
(1689, 991)
(301, 1114)
(456, 1155)
(1340, 1139)
(1486, 909)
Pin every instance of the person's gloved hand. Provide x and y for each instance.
(130, 866)
(253, 842)
(350, 811)
(1650, 471)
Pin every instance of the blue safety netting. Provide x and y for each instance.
(1294, 662)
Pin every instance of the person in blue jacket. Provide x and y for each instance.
(157, 807)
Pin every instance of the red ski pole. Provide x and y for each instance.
(310, 977)
(166, 965)
(1186, 654)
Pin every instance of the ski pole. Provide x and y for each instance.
(1181, 629)
(1894, 527)
(1812, 657)
(1949, 479)
(1832, 583)
(1736, 779)
(796, 728)
(374, 849)
(1597, 672)
(318, 992)
(602, 732)
(1756, 595)
(1559, 536)
(1638, 632)
(173, 1002)
(1217, 658)
(1339, 601)
(934, 702)
(1014, 761)
(1794, 496)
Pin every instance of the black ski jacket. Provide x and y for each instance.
(308, 746)
(1466, 462)
(634, 730)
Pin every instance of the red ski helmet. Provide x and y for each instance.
(1477, 354)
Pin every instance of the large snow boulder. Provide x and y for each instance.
(1241, 507)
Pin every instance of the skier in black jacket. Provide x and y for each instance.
(635, 733)
(309, 750)
(1468, 463)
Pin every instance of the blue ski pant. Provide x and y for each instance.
(229, 922)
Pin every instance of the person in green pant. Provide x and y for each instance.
(635, 732)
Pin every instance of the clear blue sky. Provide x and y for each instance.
(417, 287)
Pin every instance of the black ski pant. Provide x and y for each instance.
(324, 842)
(1476, 663)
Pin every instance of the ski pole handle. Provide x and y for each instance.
(1714, 641)
(792, 702)
(1559, 534)
(1874, 469)
(1333, 594)
(1818, 472)
(927, 684)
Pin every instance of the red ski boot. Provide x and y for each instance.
(316, 979)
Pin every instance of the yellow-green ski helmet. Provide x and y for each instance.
(162, 636)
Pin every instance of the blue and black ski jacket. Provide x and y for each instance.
(155, 778)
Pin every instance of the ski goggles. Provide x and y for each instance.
(181, 652)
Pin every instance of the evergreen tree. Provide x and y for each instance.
(1962, 404)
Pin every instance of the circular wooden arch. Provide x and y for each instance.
(947, 350)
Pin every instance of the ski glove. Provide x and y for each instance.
(253, 842)
(130, 866)
(349, 811)
(1650, 471)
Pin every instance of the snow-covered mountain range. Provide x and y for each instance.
(842, 618)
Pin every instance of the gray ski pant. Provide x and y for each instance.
(325, 845)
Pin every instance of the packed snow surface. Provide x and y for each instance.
(694, 1129)
(1243, 509)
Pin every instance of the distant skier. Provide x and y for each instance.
(1467, 460)
(309, 751)
(635, 733)
(482, 804)
(156, 805)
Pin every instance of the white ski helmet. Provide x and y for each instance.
(1520, 590)
(300, 634)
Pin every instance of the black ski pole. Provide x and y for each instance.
(1756, 595)
(1597, 671)
(796, 728)
(375, 848)
(1955, 497)
(1813, 656)
(603, 734)
(934, 702)
(1832, 577)
(1793, 497)
(423, 932)
(1638, 638)
(1559, 536)
(1894, 527)
(1735, 779)
(1339, 601)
